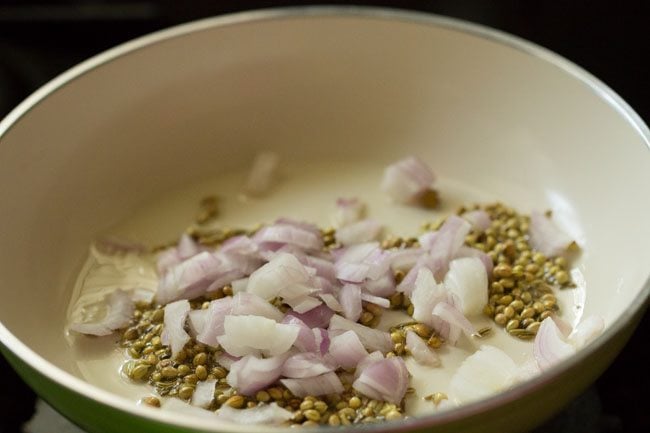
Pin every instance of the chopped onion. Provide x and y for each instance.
(421, 352)
(425, 296)
(404, 180)
(204, 393)
(347, 350)
(348, 211)
(352, 272)
(324, 268)
(305, 341)
(331, 301)
(248, 334)
(263, 173)
(225, 360)
(371, 299)
(213, 321)
(468, 280)
(546, 237)
(485, 372)
(322, 339)
(405, 258)
(174, 322)
(555, 342)
(119, 310)
(328, 383)
(303, 304)
(282, 234)
(479, 219)
(239, 285)
(383, 286)
(303, 365)
(454, 317)
(189, 279)
(302, 225)
(241, 245)
(384, 380)
(550, 347)
(251, 374)
(318, 317)
(586, 331)
(279, 277)
(196, 321)
(261, 414)
(244, 303)
(350, 299)
(372, 339)
(466, 251)
(370, 359)
(361, 231)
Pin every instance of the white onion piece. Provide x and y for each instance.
(196, 322)
(421, 352)
(328, 383)
(586, 331)
(189, 279)
(303, 365)
(468, 280)
(384, 380)
(302, 225)
(303, 304)
(225, 360)
(347, 350)
(241, 245)
(119, 311)
(550, 347)
(383, 286)
(263, 173)
(331, 301)
(288, 234)
(404, 259)
(465, 251)
(479, 219)
(404, 180)
(244, 303)
(324, 268)
(350, 299)
(361, 231)
(243, 333)
(279, 277)
(452, 315)
(370, 359)
(427, 240)
(371, 299)
(546, 237)
(167, 259)
(251, 374)
(318, 317)
(487, 371)
(187, 247)
(372, 339)
(204, 393)
(261, 414)
(174, 322)
(425, 296)
(348, 211)
(352, 272)
(213, 321)
(357, 253)
(239, 285)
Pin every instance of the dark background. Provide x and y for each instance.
(40, 39)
